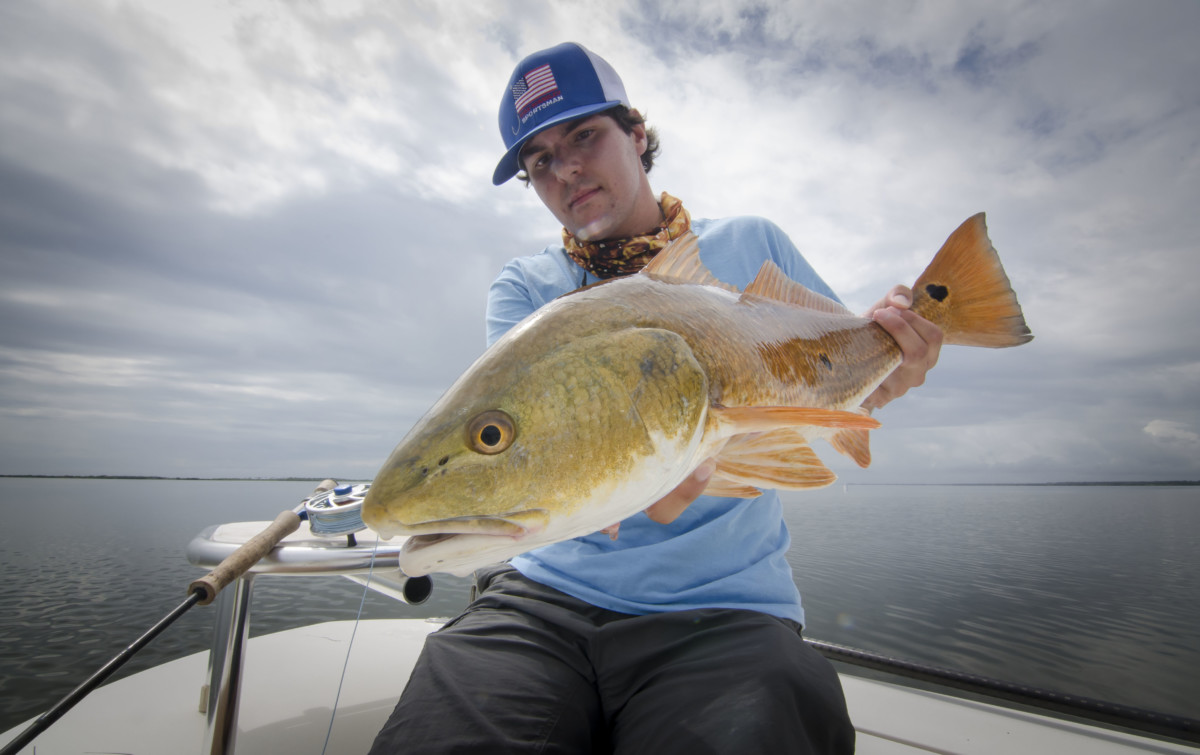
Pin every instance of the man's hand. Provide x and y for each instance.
(920, 341)
(668, 508)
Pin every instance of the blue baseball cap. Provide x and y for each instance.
(548, 87)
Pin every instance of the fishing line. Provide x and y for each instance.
(350, 646)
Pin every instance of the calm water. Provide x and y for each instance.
(1089, 590)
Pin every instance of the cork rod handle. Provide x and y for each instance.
(245, 557)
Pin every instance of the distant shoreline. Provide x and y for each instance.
(1142, 483)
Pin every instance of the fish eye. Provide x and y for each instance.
(491, 432)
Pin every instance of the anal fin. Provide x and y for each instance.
(853, 443)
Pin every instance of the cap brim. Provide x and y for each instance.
(510, 165)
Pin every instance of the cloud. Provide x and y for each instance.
(256, 238)
(1173, 434)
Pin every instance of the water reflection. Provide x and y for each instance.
(1089, 590)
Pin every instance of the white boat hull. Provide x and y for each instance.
(291, 680)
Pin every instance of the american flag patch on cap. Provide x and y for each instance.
(533, 88)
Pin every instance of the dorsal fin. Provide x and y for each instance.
(773, 283)
(679, 262)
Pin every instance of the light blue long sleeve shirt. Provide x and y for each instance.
(721, 552)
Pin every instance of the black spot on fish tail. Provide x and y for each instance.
(936, 292)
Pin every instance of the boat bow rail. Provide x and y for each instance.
(302, 553)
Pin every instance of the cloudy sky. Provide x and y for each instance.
(255, 238)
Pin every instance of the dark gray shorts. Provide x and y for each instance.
(528, 669)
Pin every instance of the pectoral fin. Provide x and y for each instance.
(779, 459)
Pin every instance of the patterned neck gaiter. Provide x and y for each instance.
(617, 257)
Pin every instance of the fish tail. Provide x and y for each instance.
(966, 292)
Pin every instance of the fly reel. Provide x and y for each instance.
(337, 511)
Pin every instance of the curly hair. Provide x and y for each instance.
(626, 119)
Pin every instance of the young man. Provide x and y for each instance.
(682, 635)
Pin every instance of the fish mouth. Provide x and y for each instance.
(418, 542)
(459, 545)
(516, 526)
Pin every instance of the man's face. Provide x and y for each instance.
(589, 174)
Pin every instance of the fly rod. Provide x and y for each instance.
(202, 591)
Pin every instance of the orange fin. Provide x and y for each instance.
(966, 292)
(679, 262)
(780, 459)
(773, 283)
(719, 486)
(736, 420)
(853, 443)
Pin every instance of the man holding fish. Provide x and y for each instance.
(672, 630)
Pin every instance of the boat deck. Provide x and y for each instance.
(291, 681)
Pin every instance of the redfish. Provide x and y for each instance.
(604, 400)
